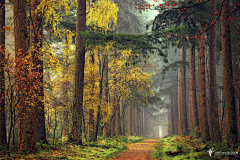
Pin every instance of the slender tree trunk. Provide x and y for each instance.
(213, 105)
(134, 120)
(113, 120)
(232, 135)
(205, 135)
(91, 107)
(3, 137)
(175, 115)
(183, 85)
(118, 120)
(144, 123)
(193, 95)
(172, 116)
(179, 100)
(170, 123)
(105, 95)
(91, 135)
(130, 130)
(139, 121)
(114, 98)
(76, 130)
(123, 116)
(65, 109)
(99, 112)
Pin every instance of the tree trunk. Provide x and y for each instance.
(118, 120)
(76, 130)
(179, 100)
(144, 122)
(25, 124)
(123, 116)
(193, 95)
(213, 105)
(3, 138)
(202, 89)
(65, 122)
(91, 135)
(183, 85)
(232, 135)
(91, 107)
(172, 116)
(175, 115)
(139, 119)
(114, 98)
(36, 45)
(65, 109)
(130, 130)
(105, 95)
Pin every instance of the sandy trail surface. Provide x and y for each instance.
(138, 151)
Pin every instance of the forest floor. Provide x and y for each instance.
(130, 148)
(138, 151)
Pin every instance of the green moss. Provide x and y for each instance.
(104, 148)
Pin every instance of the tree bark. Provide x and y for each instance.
(183, 86)
(134, 120)
(25, 124)
(193, 95)
(36, 46)
(118, 120)
(213, 105)
(130, 130)
(232, 135)
(91, 107)
(105, 95)
(114, 98)
(65, 110)
(179, 100)
(91, 135)
(76, 130)
(3, 137)
(202, 89)
(123, 116)
(175, 115)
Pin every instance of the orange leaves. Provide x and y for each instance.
(6, 28)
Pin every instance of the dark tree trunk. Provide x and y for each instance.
(3, 138)
(105, 95)
(130, 130)
(179, 100)
(232, 135)
(91, 107)
(213, 105)
(193, 95)
(183, 85)
(205, 135)
(76, 130)
(25, 124)
(36, 45)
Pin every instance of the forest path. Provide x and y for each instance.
(138, 151)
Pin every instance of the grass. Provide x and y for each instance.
(187, 144)
(104, 148)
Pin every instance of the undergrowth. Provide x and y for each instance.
(104, 148)
(185, 148)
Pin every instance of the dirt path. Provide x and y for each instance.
(138, 151)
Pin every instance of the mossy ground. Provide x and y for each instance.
(104, 148)
(187, 145)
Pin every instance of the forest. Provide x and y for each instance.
(121, 79)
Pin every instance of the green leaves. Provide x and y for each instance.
(142, 44)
